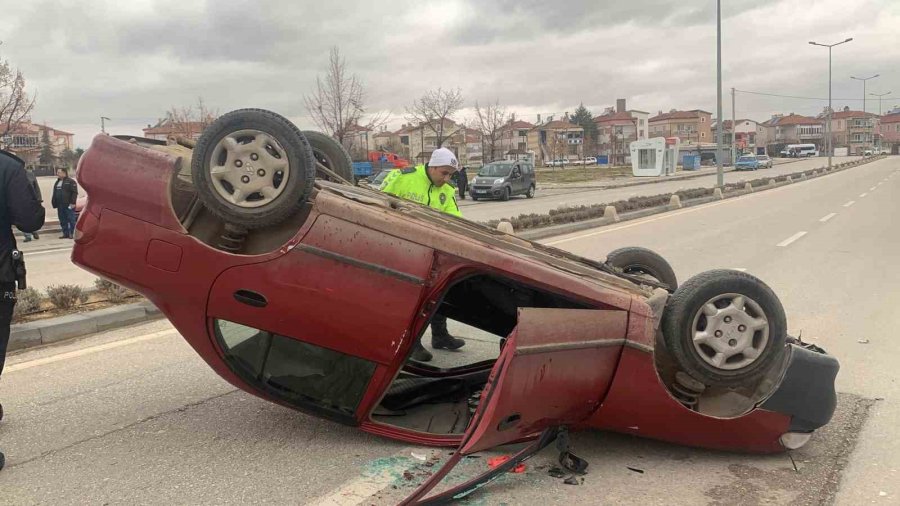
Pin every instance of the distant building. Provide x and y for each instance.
(889, 130)
(692, 127)
(25, 140)
(854, 130)
(617, 128)
(557, 140)
(513, 141)
(792, 129)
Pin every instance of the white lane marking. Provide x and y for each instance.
(848, 204)
(791, 239)
(862, 195)
(361, 489)
(828, 217)
(48, 251)
(872, 188)
(87, 351)
(742, 269)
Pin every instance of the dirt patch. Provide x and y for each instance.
(581, 174)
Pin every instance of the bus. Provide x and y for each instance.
(799, 150)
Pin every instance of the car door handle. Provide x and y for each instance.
(250, 298)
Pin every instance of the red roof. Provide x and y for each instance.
(851, 114)
(624, 116)
(890, 118)
(518, 125)
(692, 114)
(560, 125)
(796, 119)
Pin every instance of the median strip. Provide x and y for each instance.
(791, 239)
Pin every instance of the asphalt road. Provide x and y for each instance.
(545, 200)
(134, 416)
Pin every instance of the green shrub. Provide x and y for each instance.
(112, 291)
(29, 301)
(66, 296)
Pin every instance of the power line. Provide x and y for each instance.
(793, 96)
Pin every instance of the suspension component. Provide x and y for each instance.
(687, 390)
(232, 238)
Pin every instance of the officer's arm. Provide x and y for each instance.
(389, 182)
(25, 211)
(450, 207)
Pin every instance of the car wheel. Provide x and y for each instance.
(530, 193)
(725, 328)
(645, 263)
(474, 197)
(253, 168)
(506, 194)
(331, 154)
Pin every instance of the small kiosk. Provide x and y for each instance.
(654, 157)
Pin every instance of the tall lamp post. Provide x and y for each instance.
(866, 119)
(828, 140)
(879, 95)
(720, 174)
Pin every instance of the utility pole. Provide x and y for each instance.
(733, 131)
(720, 174)
(865, 118)
(829, 140)
(103, 120)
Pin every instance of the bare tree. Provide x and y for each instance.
(188, 122)
(15, 104)
(557, 144)
(434, 112)
(490, 121)
(338, 104)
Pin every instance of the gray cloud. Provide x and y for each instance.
(132, 61)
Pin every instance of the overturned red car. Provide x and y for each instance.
(310, 292)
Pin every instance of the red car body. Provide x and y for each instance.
(595, 363)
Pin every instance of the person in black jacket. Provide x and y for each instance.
(463, 182)
(65, 193)
(19, 207)
(37, 193)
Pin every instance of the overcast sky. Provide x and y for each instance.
(133, 60)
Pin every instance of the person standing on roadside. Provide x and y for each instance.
(65, 194)
(29, 173)
(428, 185)
(462, 182)
(20, 208)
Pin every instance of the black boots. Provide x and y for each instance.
(441, 338)
(420, 354)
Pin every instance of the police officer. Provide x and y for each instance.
(19, 207)
(427, 184)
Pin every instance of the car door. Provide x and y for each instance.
(515, 180)
(555, 370)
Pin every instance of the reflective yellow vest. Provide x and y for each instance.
(414, 184)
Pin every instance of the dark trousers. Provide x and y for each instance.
(66, 221)
(7, 302)
(462, 188)
(439, 325)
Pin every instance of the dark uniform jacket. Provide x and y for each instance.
(19, 207)
(66, 196)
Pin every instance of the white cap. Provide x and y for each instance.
(443, 157)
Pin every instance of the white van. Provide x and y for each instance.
(799, 150)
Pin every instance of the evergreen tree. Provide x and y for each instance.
(585, 120)
(46, 157)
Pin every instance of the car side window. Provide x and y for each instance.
(516, 172)
(298, 372)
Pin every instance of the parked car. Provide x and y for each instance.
(269, 273)
(559, 162)
(502, 180)
(747, 162)
(764, 161)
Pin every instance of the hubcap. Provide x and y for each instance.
(249, 168)
(730, 331)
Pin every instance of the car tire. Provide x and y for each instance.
(506, 194)
(530, 193)
(721, 315)
(284, 161)
(331, 154)
(643, 262)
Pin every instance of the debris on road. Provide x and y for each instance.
(863, 341)
(574, 480)
(496, 461)
(641, 471)
(418, 456)
(556, 472)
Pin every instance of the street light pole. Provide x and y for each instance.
(720, 175)
(829, 141)
(879, 95)
(103, 120)
(866, 119)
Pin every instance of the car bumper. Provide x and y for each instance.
(486, 191)
(806, 392)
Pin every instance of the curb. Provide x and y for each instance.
(53, 330)
(568, 228)
(611, 185)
